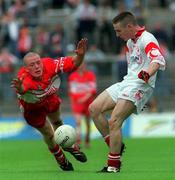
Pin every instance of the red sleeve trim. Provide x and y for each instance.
(150, 46)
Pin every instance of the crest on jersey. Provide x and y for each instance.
(136, 55)
(154, 53)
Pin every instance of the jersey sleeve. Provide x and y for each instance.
(153, 52)
(64, 64)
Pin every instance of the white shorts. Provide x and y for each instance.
(139, 94)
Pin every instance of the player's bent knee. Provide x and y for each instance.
(92, 109)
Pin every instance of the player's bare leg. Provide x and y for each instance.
(55, 119)
(47, 131)
(48, 135)
(97, 108)
(122, 111)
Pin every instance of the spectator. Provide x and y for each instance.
(106, 33)
(24, 42)
(95, 55)
(57, 42)
(86, 19)
(10, 32)
(160, 33)
(42, 40)
(17, 9)
(7, 62)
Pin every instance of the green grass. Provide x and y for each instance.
(144, 159)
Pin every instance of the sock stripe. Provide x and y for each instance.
(114, 157)
(105, 137)
(57, 152)
(114, 160)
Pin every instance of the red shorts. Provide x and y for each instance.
(81, 108)
(35, 114)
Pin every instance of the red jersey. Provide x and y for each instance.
(81, 84)
(37, 91)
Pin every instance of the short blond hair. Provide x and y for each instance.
(30, 54)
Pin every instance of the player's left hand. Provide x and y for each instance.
(144, 76)
(81, 47)
(17, 84)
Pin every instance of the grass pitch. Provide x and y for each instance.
(144, 159)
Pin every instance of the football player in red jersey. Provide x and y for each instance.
(36, 87)
(82, 91)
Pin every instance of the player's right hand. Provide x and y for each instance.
(81, 47)
(17, 84)
(144, 76)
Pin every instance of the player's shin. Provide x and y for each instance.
(107, 141)
(101, 124)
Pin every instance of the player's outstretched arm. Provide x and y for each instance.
(80, 51)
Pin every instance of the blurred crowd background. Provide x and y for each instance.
(53, 27)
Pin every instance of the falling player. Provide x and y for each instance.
(36, 86)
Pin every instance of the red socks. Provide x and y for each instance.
(114, 160)
(58, 153)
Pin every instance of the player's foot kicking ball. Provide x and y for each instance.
(75, 151)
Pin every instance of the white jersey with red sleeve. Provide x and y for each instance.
(140, 53)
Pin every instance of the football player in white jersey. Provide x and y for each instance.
(130, 95)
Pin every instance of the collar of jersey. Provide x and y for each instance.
(139, 33)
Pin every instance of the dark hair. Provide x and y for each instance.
(125, 18)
